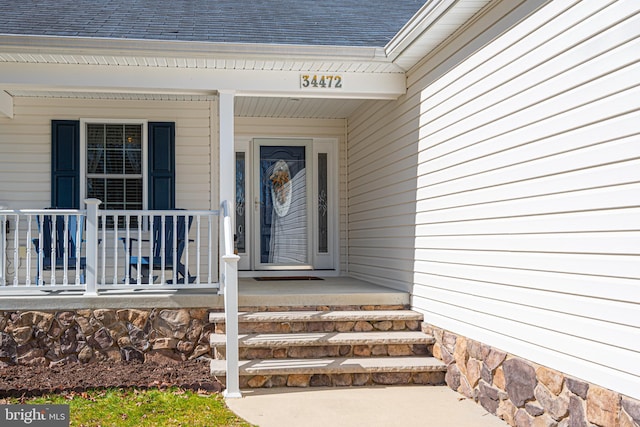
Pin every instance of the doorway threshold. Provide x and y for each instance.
(332, 291)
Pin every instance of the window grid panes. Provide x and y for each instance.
(114, 165)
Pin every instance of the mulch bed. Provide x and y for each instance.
(26, 381)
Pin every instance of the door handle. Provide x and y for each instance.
(256, 203)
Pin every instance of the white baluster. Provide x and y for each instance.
(54, 233)
(115, 252)
(28, 251)
(16, 251)
(162, 243)
(197, 250)
(65, 249)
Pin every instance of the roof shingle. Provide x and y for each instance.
(369, 23)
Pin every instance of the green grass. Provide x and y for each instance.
(136, 408)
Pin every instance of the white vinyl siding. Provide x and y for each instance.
(25, 145)
(504, 192)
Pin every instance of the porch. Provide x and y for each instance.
(146, 322)
(129, 265)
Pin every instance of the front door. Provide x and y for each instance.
(280, 225)
(282, 228)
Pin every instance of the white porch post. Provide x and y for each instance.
(92, 246)
(227, 160)
(229, 264)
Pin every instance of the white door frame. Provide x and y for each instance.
(323, 264)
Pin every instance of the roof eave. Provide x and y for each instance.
(177, 48)
(402, 48)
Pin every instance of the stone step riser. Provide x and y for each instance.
(340, 380)
(331, 326)
(323, 308)
(315, 352)
(329, 349)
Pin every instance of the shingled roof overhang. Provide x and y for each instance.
(128, 65)
(194, 67)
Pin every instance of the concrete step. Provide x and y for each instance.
(343, 347)
(320, 316)
(314, 345)
(322, 338)
(335, 371)
(322, 321)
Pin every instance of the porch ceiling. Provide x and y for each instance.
(247, 106)
(302, 108)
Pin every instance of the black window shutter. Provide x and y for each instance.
(162, 170)
(65, 164)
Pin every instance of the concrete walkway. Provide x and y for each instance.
(367, 406)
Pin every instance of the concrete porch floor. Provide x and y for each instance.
(328, 291)
(331, 291)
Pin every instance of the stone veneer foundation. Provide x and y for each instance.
(45, 337)
(525, 394)
(50, 337)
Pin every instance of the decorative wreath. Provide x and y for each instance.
(281, 187)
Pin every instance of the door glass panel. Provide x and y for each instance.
(240, 203)
(323, 205)
(283, 205)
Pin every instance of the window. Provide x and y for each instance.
(114, 165)
(240, 235)
(127, 164)
(323, 204)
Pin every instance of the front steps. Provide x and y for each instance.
(329, 348)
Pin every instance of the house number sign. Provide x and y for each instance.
(320, 81)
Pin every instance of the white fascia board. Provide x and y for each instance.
(6, 104)
(47, 45)
(109, 78)
(417, 25)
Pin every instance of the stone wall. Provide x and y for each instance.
(48, 337)
(525, 394)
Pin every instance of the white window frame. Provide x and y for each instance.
(145, 158)
(243, 146)
(326, 260)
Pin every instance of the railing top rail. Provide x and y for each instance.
(43, 211)
(106, 212)
(158, 212)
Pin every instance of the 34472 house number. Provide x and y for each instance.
(320, 81)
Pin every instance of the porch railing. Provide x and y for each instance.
(171, 249)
